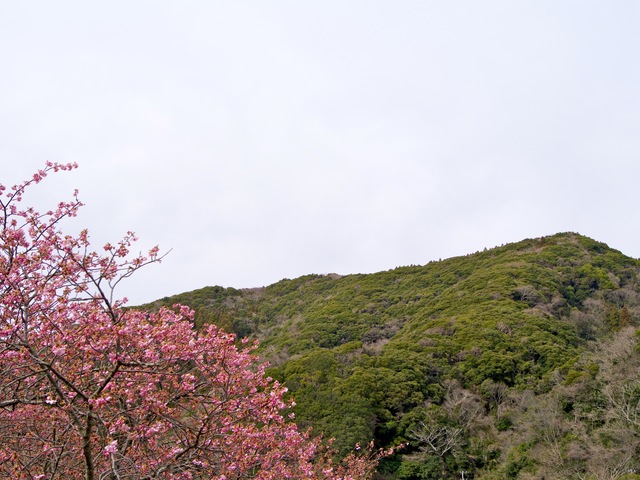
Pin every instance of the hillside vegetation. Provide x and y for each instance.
(515, 362)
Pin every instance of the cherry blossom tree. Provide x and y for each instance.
(91, 389)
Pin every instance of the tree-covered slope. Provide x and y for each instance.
(428, 355)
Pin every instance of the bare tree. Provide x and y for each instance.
(437, 439)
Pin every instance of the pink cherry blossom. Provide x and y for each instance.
(89, 389)
(111, 448)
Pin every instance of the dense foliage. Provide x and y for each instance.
(90, 389)
(466, 359)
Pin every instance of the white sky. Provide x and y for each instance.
(268, 139)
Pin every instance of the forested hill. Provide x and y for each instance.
(515, 362)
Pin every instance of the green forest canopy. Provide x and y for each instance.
(437, 356)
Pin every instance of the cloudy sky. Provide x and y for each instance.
(262, 140)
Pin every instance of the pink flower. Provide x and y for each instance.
(59, 351)
(111, 448)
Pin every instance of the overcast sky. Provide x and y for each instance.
(262, 140)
